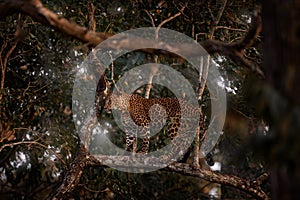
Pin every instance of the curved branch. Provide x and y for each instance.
(36, 10)
(83, 159)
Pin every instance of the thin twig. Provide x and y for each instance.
(6, 58)
(32, 143)
(202, 80)
(167, 20)
(151, 18)
(154, 69)
(150, 83)
(113, 72)
(203, 73)
(229, 28)
(220, 13)
(4, 63)
(92, 21)
(216, 22)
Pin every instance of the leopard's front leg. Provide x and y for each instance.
(130, 129)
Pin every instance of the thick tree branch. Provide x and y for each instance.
(251, 187)
(83, 159)
(38, 12)
(72, 176)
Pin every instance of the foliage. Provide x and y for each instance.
(37, 99)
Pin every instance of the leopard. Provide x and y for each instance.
(136, 112)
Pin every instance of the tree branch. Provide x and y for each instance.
(217, 20)
(38, 12)
(72, 176)
(235, 50)
(29, 143)
(248, 186)
(3, 63)
(83, 159)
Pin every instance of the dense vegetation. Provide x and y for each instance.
(39, 61)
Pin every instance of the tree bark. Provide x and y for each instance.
(281, 30)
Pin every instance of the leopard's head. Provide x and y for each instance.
(117, 101)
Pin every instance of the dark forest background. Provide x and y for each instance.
(255, 45)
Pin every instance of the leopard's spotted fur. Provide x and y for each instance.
(140, 111)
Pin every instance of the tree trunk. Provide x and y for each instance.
(281, 34)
